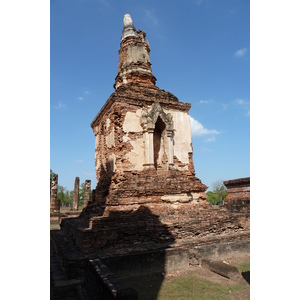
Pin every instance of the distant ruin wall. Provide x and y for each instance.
(76, 194)
(238, 194)
(87, 191)
(54, 202)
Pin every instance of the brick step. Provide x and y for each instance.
(60, 286)
(72, 261)
(95, 281)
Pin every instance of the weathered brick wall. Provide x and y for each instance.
(238, 194)
(155, 226)
(152, 186)
(108, 126)
(120, 144)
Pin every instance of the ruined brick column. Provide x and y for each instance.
(76, 194)
(238, 194)
(170, 148)
(151, 146)
(54, 202)
(87, 191)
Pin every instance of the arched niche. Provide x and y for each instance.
(158, 136)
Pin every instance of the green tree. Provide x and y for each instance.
(81, 194)
(71, 195)
(63, 195)
(218, 193)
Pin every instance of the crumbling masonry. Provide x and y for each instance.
(54, 202)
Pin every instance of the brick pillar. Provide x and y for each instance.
(76, 194)
(87, 191)
(170, 148)
(149, 150)
(54, 202)
(151, 147)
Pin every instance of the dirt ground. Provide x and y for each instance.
(149, 286)
(243, 294)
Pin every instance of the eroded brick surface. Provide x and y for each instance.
(54, 202)
(76, 194)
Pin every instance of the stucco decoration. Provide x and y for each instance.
(148, 121)
(149, 118)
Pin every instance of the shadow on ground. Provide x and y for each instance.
(246, 276)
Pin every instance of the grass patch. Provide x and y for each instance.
(244, 267)
(54, 226)
(185, 287)
(194, 287)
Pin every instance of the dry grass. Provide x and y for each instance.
(197, 283)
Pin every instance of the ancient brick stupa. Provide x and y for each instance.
(144, 163)
(149, 212)
(144, 153)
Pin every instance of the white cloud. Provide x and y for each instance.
(80, 98)
(210, 139)
(224, 106)
(151, 17)
(87, 92)
(79, 161)
(240, 102)
(60, 105)
(240, 52)
(198, 129)
(244, 105)
(205, 101)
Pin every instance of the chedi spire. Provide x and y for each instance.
(134, 63)
(128, 29)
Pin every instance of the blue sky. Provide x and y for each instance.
(200, 52)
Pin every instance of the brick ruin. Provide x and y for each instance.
(238, 194)
(143, 148)
(76, 194)
(87, 191)
(148, 212)
(56, 214)
(54, 202)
